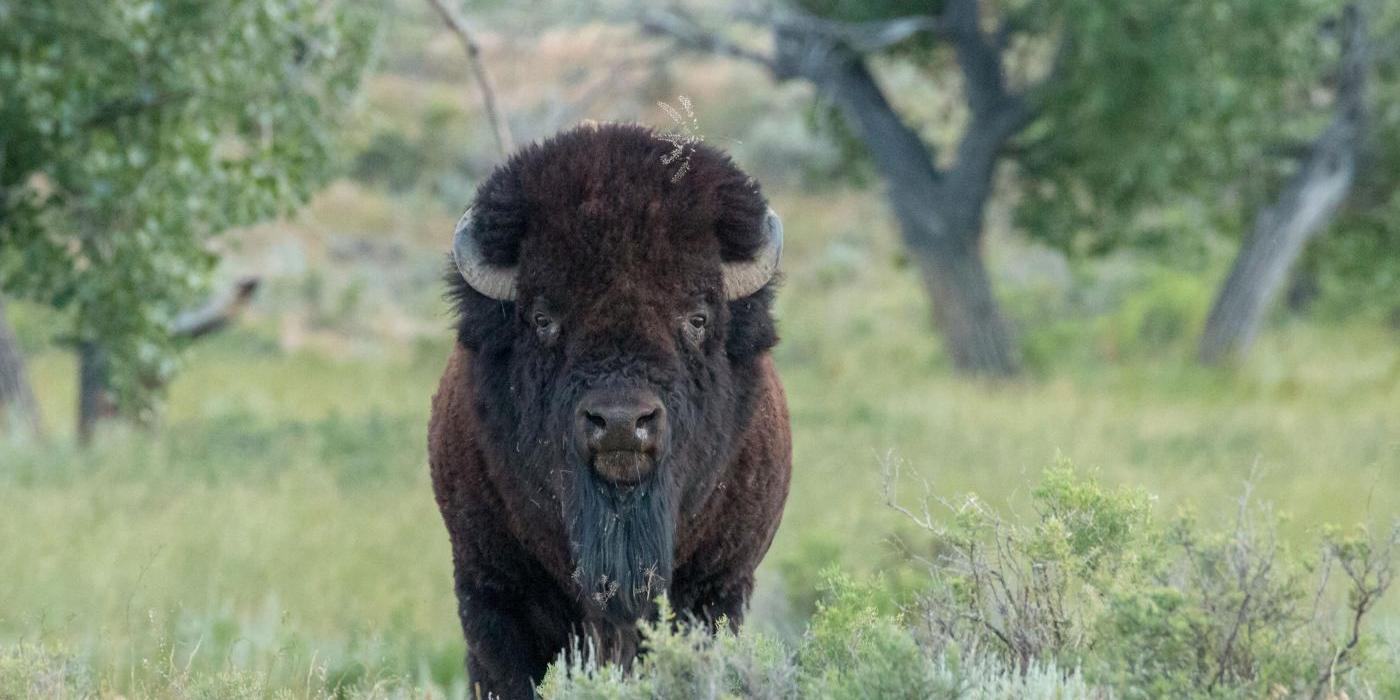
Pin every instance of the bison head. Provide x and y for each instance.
(617, 313)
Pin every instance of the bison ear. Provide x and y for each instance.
(490, 280)
(744, 278)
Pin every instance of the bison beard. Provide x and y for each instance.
(622, 538)
(622, 541)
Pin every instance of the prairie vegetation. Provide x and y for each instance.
(271, 532)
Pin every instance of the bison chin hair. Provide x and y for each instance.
(623, 542)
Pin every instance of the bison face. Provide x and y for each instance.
(616, 314)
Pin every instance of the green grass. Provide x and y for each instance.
(276, 531)
(279, 521)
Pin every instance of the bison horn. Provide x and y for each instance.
(491, 280)
(744, 278)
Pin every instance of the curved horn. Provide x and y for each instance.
(744, 278)
(492, 281)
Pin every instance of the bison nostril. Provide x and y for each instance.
(648, 420)
(595, 420)
(621, 422)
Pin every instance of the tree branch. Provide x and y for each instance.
(687, 32)
(18, 408)
(860, 37)
(568, 111)
(978, 58)
(483, 79)
(217, 313)
(108, 113)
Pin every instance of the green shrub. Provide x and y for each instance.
(680, 661)
(1151, 610)
(1166, 314)
(1119, 312)
(390, 159)
(1091, 598)
(852, 650)
(28, 671)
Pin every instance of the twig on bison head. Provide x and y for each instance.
(684, 138)
(483, 79)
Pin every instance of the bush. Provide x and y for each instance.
(1091, 598)
(1149, 610)
(1120, 311)
(851, 651)
(681, 661)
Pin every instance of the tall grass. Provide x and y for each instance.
(280, 515)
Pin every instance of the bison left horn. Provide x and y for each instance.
(744, 278)
(491, 280)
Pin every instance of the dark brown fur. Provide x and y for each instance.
(620, 253)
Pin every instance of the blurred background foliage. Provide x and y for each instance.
(274, 517)
(137, 131)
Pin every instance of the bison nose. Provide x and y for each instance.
(629, 422)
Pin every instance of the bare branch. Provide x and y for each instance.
(681, 26)
(568, 111)
(483, 79)
(216, 314)
(861, 37)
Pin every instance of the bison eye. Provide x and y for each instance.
(545, 326)
(693, 328)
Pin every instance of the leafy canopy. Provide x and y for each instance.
(133, 131)
(1160, 120)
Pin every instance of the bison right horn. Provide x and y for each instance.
(744, 278)
(491, 280)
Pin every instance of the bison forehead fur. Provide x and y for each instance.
(613, 257)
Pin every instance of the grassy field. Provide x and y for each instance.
(276, 532)
(279, 521)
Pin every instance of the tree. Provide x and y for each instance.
(132, 132)
(1348, 263)
(97, 402)
(19, 413)
(1309, 201)
(1102, 109)
(940, 210)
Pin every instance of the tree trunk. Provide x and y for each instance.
(939, 212)
(1280, 232)
(1306, 206)
(19, 412)
(1303, 288)
(97, 403)
(95, 400)
(964, 309)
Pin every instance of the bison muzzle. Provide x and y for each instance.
(610, 427)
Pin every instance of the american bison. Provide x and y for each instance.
(610, 426)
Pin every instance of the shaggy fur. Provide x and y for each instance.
(621, 256)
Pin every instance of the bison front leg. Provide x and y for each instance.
(714, 600)
(504, 658)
